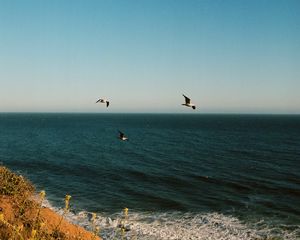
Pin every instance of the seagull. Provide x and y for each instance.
(122, 136)
(188, 102)
(103, 101)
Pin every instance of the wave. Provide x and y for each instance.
(179, 226)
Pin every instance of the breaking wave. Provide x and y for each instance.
(180, 226)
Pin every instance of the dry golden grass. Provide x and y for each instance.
(14, 185)
(22, 217)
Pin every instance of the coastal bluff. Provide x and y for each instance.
(22, 215)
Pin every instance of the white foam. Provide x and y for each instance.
(178, 226)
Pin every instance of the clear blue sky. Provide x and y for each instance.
(228, 56)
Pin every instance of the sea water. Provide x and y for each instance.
(182, 176)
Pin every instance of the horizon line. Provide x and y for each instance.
(179, 113)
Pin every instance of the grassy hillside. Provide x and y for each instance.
(23, 217)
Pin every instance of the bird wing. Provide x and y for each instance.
(107, 103)
(98, 100)
(121, 134)
(187, 100)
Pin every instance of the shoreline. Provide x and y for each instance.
(42, 219)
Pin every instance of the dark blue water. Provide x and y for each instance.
(243, 166)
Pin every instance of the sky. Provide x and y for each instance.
(232, 56)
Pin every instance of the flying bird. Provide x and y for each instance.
(103, 101)
(188, 102)
(122, 136)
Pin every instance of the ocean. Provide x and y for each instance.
(182, 176)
